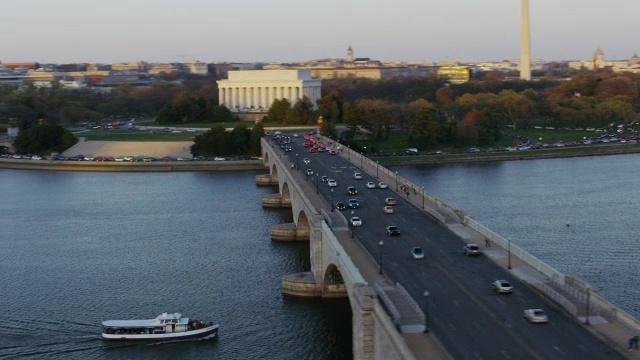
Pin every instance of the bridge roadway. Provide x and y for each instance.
(469, 320)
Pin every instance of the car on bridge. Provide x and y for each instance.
(471, 250)
(353, 203)
(332, 183)
(388, 210)
(324, 178)
(352, 190)
(390, 201)
(536, 316)
(340, 205)
(355, 221)
(370, 185)
(306, 161)
(382, 185)
(417, 253)
(357, 176)
(393, 230)
(502, 287)
(309, 172)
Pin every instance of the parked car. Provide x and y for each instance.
(390, 201)
(536, 316)
(382, 185)
(502, 287)
(340, 205)
(471, 250)
(388, 210)
(332, 183)
(393, 230)
(352, 190)
(332, 152)
(357, 176)
(417, 253)
(355, 221)
(353, 203)
(370, 185)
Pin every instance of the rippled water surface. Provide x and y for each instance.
(80, 248)
(530, 202)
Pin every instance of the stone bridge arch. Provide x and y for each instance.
(286, 194)
(333, 283)
(303, 226)
(274, 173)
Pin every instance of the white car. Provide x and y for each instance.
(536, 316)
(502, 287)
(217, 158)
(309, 172)
(382, 185)
(471, 250)
(417, 253)
(355, 221)
(306, 160)
(332, 183)
(370, 185)
(36, 157)
(388, 210)
(357, 176)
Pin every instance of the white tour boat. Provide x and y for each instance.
(165, 326)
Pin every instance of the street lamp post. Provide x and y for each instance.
(509, 250)
(423, 198)
(396, 181)
(332, 204)
(586, 320)
(296, 161)
(353, 228)
(317, 186)
(306, 173)
(381, 243)
(377, 168)
(426, 311)
(348, 152)
(361, 158)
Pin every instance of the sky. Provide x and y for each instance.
(78, 31)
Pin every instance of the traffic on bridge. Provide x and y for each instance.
(470, 312)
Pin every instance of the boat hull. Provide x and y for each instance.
(209, 331)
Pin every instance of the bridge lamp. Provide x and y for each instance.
(509, 251)
(332, 204)
(423, 198)
(426, 311)
(396, 181)
(380, 243)
(353, 228)
(317, 187)
(361, 158)
(377, 168)
(586, 320)
(348, 152)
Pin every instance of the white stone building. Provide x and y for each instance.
(255, 90)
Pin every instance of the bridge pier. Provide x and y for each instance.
(276, 201)
(266, 180)
(302, 284)
(289, 232)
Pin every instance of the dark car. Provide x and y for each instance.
(393, 230)
(353, 203)
(352, 190)
(340, 205)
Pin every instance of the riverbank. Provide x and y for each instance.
(173, 166)
(258, 164)
(511, 156)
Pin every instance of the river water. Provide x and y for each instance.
(79, 248)
(531, 203)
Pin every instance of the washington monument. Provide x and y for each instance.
(525, 46)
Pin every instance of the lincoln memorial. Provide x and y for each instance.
(255, 90)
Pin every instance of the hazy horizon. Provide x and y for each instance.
(73, 31)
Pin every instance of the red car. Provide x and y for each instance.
(331, 152)
(307, 144)
(390, 201)
(313, 150)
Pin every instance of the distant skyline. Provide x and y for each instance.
(75, 31)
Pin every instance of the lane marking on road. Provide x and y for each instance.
(557, 348)
(500, 301)
(477, 325)
(505, 354)
(452, 327)
(477, 356)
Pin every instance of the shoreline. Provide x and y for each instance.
(177, 166)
